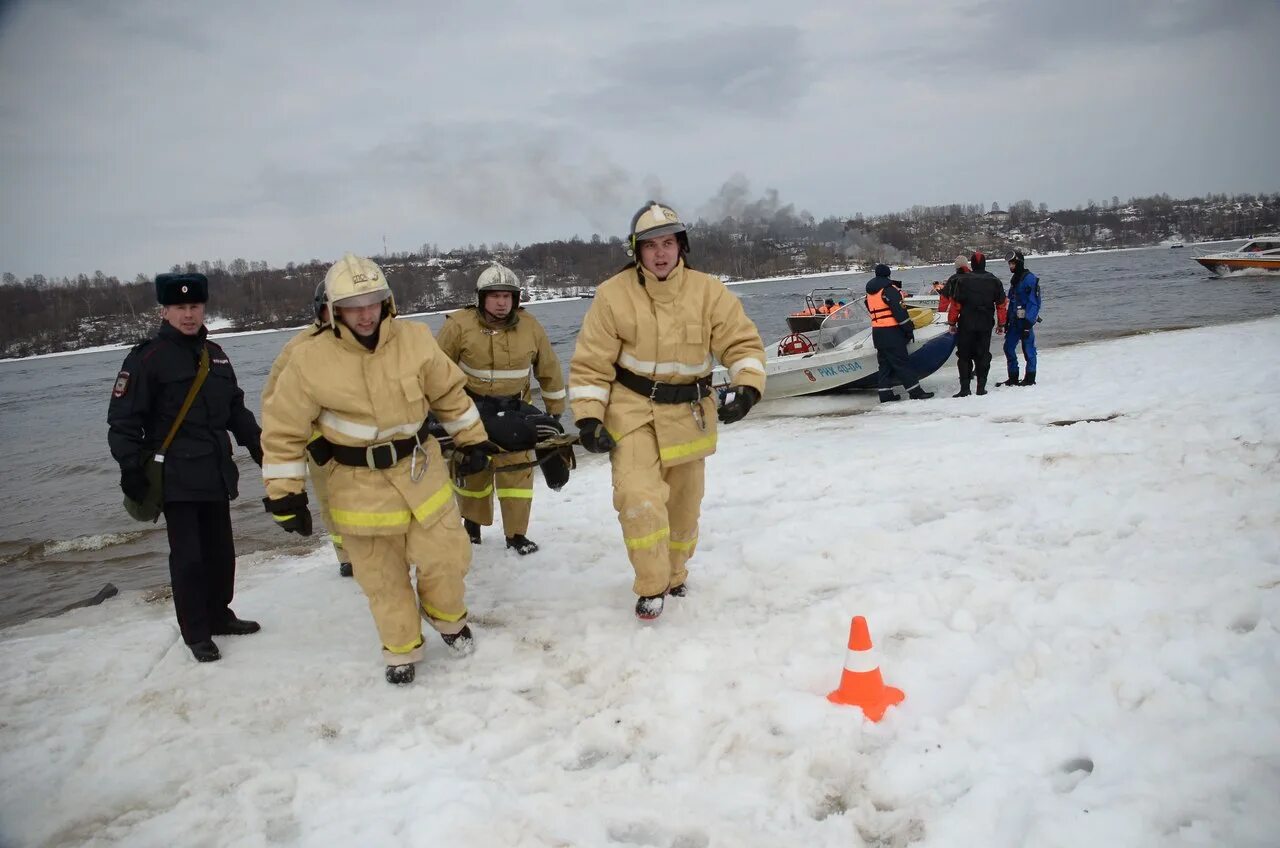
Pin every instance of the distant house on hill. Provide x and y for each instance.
(996, 216)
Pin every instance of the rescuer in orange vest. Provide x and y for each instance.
(891, 331)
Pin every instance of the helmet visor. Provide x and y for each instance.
(659, 232)
(365, 299)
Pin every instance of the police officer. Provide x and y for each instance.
(1024, 312)
(639, 386)
(891, 332)
(368, 382)
(200, 476)
(321, 311)
(977, 306)
(496, 344)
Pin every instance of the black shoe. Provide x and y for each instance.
(1012, 381)
(462, 643)
(648, 607)
(890, 398)
(678, 591)
(982, 390)
(205, 651)
(964, 392)
(921, 394)
(522, 544)
(1030, 379)
(473, 530)
(344, 569)
(235, 627)
(401, 675)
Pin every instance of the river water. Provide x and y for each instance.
(64, 533)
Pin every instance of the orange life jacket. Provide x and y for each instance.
(881, 314)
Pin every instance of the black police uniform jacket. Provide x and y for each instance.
(148, 394)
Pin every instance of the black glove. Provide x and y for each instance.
(474, 460)
(909, 330)
(738, 402)
(255, 453)
(290, 512)
(134, 483)
(594, 437)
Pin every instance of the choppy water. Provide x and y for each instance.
(63, 532)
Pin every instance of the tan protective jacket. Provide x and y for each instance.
(364, 397)
(666, 330)
(497, 358)
(282, 358)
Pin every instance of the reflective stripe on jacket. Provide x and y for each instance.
(362, 397)
(670, 331)
(498, 359)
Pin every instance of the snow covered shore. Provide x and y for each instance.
(1085, 619)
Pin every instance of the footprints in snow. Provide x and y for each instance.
(1071, 773)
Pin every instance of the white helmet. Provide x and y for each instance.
(497, 278)
(656, 219)
(355, 281)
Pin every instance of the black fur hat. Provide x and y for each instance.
(181, 288)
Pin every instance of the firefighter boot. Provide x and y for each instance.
(473, 530)
(964, 390)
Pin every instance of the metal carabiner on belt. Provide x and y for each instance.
(699, 417)
(416, 472)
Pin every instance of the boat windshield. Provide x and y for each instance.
(845, 322)
(1260, 246)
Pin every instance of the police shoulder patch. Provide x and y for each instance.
(122, 384)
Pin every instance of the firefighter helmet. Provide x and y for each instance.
(355, 281)
(497, 278)
(318, 302)
(655, 219)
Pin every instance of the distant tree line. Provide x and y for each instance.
(43, 315)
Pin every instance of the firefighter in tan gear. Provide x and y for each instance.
(496, 344)
(368, 384)
(321, 310)
(640, 386)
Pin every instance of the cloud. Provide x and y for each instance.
(748, 70)
(139, 133)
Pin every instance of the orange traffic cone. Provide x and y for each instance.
(861, 684)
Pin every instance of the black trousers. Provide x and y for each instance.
(891, 356)
(202, 565)
(973, 351)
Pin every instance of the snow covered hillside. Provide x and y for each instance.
(1084, 618)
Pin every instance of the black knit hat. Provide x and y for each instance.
(172, 289)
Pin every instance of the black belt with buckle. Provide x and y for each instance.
(381, 456)
(664, 392)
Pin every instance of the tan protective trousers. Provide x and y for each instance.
(442, 556)
(322, 500)
(514, 490)
(658, 509)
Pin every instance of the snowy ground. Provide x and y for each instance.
(1084, 619)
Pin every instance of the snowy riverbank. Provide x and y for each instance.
(1084, 619)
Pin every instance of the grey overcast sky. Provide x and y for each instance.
(135, 134)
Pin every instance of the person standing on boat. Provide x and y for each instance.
(640, 390)
(497, 345)
(1024, 313)
(369, 382)
(321, 311)
(978, 305)
(891, 332)
(200, 477)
